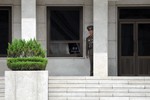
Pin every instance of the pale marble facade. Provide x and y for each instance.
(101, 13)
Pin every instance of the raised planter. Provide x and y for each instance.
(26, 85)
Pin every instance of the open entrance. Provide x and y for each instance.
(134, 41)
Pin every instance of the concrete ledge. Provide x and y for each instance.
(26, 85)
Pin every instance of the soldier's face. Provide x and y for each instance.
(90, 32)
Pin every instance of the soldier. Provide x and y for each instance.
(89, 47)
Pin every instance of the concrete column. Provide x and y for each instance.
(28, 19)
(100, 8)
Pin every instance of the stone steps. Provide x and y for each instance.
(2, 88)
(2, 98)
(91, 88)
(95, 90)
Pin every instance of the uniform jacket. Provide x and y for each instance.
(89, 45)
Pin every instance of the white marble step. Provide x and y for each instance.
(2, 98)
(2, 86)
(96, 90)
(2, 77)
(99, 98)
(88, 88)
(2, 90)
(99, 94)
(2, 94)
(97, 78)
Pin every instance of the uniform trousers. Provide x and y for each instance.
(91, 64)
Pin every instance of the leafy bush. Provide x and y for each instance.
(26, 55)
(22, 48)
(33, 63)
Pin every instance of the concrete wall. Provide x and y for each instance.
(65, 65)
(56, 66)
(16, 26)
(112, 39)
(76, 66)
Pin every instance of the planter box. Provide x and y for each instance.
(26, 85)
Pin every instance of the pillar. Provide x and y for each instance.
(28, 19)
(100, 9)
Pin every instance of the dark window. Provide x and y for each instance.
(127, 39)
(134, 13)
(64, 31)
(5, 29)
(144, 39)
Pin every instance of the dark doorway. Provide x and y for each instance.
(5, 29)
(134, 41)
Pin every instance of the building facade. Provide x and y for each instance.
(60, 26)
(121, 48)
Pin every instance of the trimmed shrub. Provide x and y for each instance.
(26, 55)
(33, 63)
(22, 48)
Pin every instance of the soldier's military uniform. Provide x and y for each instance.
(89, 52)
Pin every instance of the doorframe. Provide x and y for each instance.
(135, 22)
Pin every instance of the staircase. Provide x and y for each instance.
(89, 88)
(2, 86)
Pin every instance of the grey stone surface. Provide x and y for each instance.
(105, 89)
(112, 49)
(67, 2)
(6, 2)
(100, 38)
(26, 85)
(3, 66)
(114, 98)
(20, 14)
(10, 84)
(112, 32)
(139, 98)
(74, 69)
(41, 15)
(133, 2)
(88, 19)
(17, 2)
(41, 32)
(28, 19)
(112, 14)
(112, 67)
(88, 2)
(16, 31)
(71, 67)
(17, 14)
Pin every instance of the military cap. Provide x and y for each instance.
(90, 27)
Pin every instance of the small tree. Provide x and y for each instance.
(26, 55)
(22, 48)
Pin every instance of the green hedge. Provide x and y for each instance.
(32, 63)
(22, 48)
(26, 55)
